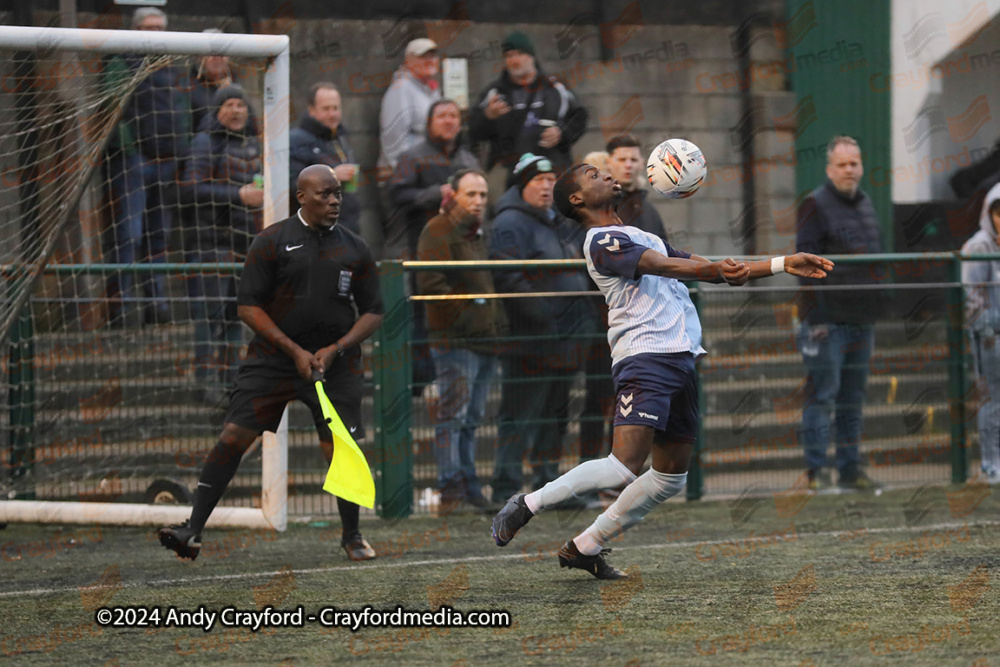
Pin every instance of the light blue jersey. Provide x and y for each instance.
(647, 314)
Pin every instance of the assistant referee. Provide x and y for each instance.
(301, 283)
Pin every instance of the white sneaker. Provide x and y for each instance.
(992, 475)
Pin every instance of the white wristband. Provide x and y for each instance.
(777, 265)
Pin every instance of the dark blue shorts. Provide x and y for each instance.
(658, 390)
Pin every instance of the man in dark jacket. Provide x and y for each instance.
(552, 332)
(464, 335)
(419, 186)
(224, 159)
(837, 332)
(420, 180)
(526, 111)
(321, 139)
(160, 113)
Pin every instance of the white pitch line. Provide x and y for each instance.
(470, 559)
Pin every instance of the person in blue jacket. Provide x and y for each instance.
(220, 179)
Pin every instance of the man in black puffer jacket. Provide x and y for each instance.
(219, 179)
(321, 139)
(526, 111)
(420, 181)
(554, 332)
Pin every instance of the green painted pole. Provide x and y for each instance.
(393, 400)
(696, 476)
(956, 374)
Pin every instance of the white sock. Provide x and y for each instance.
(606, 473)
(635, 502)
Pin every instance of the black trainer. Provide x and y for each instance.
(570, 556)
(182, 539)
(510, 519)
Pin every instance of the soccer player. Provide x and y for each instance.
(655, 338)
(301, 282)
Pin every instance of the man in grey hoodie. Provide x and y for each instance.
(983, 324)
(408, 98)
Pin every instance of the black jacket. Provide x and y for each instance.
(314, 143)
(221, 163)
(518, 131)
(415, 189)
(160, 112)
(523, 232)
(831, 224)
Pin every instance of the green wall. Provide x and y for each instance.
(832, 50)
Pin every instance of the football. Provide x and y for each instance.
(676, 168)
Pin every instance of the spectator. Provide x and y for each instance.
(210, 75)
(225, 158)
(407, 100)
(419, 186)
(538, 372)
(463, 335)
(525, 111)
(983, 324)
(321, 139)
(160, 112)
(420, 180)
(837, 334)
(627, 166)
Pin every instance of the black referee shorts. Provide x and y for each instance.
(263, 390)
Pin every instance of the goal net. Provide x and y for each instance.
(136, 168)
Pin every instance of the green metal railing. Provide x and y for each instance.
(391, 362)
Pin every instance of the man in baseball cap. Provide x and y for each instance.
(420, 47)
(414, 88)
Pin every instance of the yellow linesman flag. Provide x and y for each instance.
(349, 476)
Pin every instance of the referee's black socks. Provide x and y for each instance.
(220, 466)
(349, 513)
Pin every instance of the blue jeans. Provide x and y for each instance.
(463, 382)
(123, 242)
(837, 381)
(161, 181)
(218, 333)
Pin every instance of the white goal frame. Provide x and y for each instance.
(274, 498)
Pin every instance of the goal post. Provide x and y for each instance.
(49, 189)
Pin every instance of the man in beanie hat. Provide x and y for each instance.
(526, 111)
(553, 331)
(218, 179)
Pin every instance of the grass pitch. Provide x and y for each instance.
(902, 578)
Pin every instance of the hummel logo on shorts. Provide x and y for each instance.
(289, 248)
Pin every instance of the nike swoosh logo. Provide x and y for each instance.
(353, 429)
(289, 248)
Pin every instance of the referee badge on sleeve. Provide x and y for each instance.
(345, 283)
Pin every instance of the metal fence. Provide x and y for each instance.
(107, 413)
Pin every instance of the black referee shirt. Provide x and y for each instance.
(304, 280)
